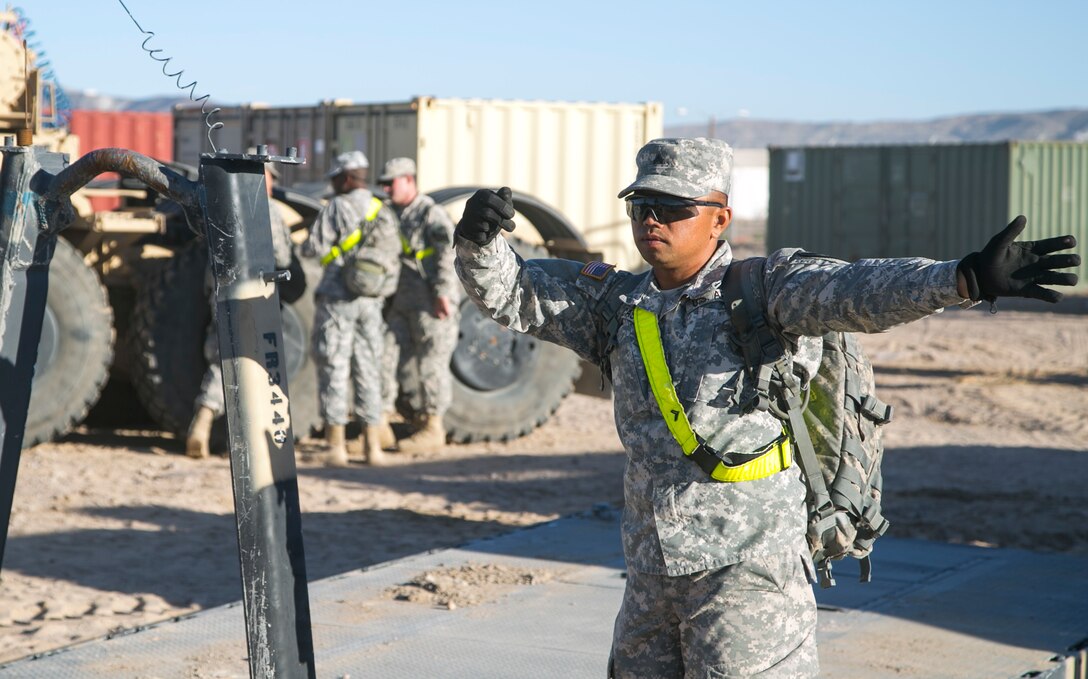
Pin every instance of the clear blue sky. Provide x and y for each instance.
(785, 60)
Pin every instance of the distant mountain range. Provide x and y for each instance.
(1066, 125)
(93, 101)
(1063, 125)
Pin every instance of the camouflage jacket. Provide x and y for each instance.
(337, 220)
(424, 226)
(281, 236)
(676, 519)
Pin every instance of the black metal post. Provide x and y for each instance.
(266, 502)
(25, 253)
(36, 186)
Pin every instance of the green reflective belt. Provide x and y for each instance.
(768, 460)
(353, 239)
(419, 255)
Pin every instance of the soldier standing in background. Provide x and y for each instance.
(209, 402)
(355, 238)
(423, 314)
(719, 573)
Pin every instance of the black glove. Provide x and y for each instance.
(485, 213)
(1006, 268)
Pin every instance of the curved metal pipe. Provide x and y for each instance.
(130, 164)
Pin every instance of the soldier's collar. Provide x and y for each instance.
(707, 284)
(708, 281)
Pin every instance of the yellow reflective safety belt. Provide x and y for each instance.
(353, 239)
(768, 460)
(419, 255)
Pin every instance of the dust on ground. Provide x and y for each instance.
(114, 530)
(468, 584)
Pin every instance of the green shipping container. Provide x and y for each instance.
(933, 201)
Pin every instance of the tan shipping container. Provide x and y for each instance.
(571, 156)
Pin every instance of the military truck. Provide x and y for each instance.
(101, 262)
(126, 304)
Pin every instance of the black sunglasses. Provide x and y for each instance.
(665, 210)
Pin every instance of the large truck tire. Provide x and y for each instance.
(166, 338)
(75, 350)
(505, 384)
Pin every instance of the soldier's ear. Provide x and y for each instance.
(723, 217)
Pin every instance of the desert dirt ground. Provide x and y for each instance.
(116, 529)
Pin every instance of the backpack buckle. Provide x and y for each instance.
(876, 410)
(826, 581)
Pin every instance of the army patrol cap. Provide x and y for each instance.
(350, 160)
(685, 168)
(397, 167)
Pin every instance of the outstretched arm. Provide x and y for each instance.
(811, 295)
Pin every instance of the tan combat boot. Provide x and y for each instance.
(338, 450)
(386, 437)
(430, 437)
(197, 439)
(372, 447)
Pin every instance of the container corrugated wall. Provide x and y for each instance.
(148, 133)
(1049, 183)
(381, 131)
(934, 201)
(572, 156)
(305, 128)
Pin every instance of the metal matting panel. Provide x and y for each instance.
(932, 610)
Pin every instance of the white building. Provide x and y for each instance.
(751, 183)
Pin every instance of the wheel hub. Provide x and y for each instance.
(488, 356)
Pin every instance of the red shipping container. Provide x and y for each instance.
(151, 134)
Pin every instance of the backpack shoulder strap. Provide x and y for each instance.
(777, 389)
(753, 336)
(607, 311)
(372, 209)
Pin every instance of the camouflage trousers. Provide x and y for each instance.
(347, 348)
(422, 337)
(756, 618)
(211, 387)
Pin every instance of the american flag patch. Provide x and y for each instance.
(597, 270)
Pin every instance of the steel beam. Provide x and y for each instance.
(25, 252)
(273, 568)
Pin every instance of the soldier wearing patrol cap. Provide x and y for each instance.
(355, 238)
(423, 314)
(718, 572)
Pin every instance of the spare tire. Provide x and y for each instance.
(166, 337)
(75, 350)
(505, 383)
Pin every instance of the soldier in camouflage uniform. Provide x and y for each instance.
(423, 314)
(209, 402)
(719, 573)
(353, 228)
